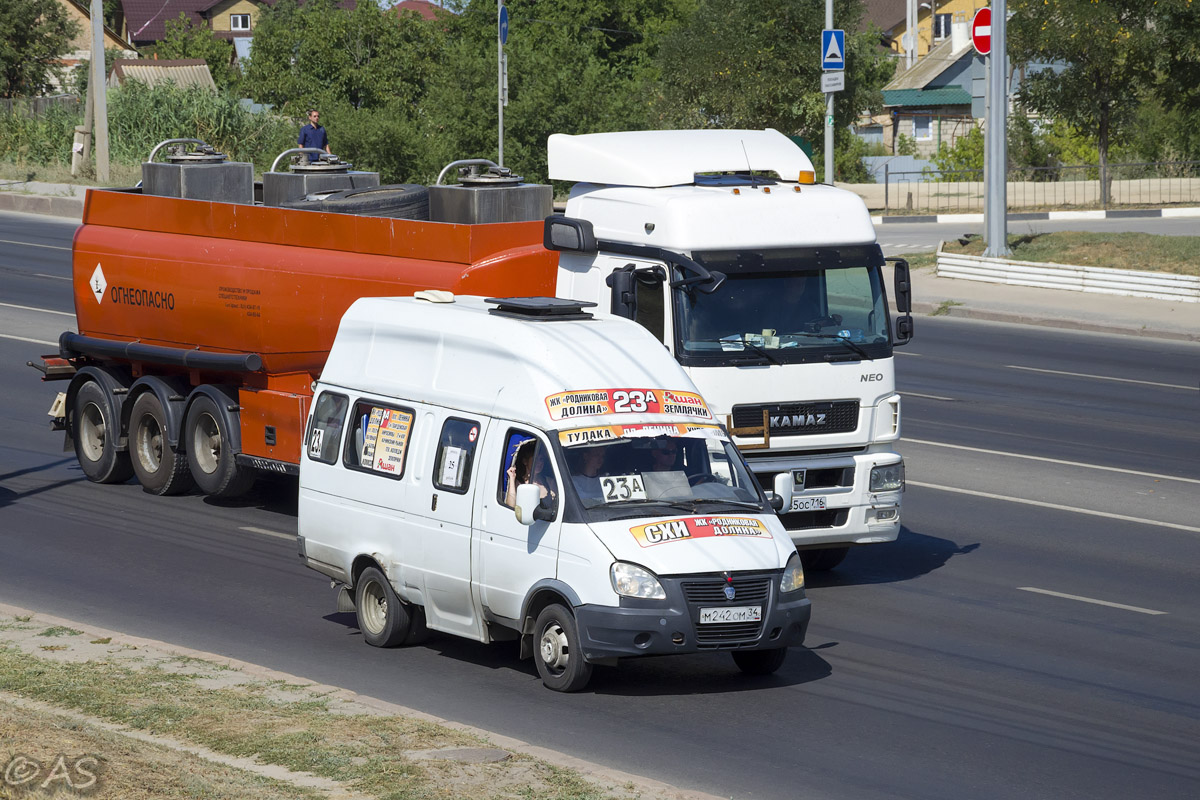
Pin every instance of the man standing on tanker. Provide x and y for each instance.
(313, 135)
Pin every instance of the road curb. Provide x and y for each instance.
(587, 768)
(42, 204)
(1044, 215)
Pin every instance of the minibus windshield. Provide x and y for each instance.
(631, 477)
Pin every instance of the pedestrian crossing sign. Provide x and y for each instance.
(833, 49)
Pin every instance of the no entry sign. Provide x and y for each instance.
(981, 31)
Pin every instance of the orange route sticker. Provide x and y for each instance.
(608, 433)
(676, 530)
(599, 402)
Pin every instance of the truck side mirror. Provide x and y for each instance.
(783, 491)
(903, 286)
(569, 234)
(904, 329)
(623, 283)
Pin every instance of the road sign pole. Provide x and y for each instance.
(829, 106)
(996, 139)
(500, 15)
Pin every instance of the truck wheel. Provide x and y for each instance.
(95, 432)
(160, 469)
(382, 617)
(822, 560)
(210, 458)
(559, 654)
(759, 662)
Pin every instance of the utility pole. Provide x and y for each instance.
(502, 71)
(996, 139)
(97, 82)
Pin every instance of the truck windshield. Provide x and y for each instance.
(626, 478)
(786, 306)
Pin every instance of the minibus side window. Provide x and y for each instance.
(379, 438)
(526, 460)
(455, 455)
(325, 430)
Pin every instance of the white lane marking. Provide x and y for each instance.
(31, 244)
(40, 310)
(1099, 377)
(52, 277)
(1055, 461)
(290, 537)
(1056, 506)
(927, 397)
(1091, 600)
(27, 339)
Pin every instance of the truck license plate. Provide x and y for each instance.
(709, 616)
(808, 504)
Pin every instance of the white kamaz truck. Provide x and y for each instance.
(769, 290)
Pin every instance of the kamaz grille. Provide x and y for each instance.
(727, 633)
(800, 419)
(749, 591)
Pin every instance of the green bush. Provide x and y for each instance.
(43, 138)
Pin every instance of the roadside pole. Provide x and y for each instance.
(828, 107)
(833, 79)
(98, 82)
(996, 139)
(501, 71)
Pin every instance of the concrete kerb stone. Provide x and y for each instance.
(42, 204)
(586, 768)
(1023, 216)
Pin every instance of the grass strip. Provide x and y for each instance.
(1147, 252)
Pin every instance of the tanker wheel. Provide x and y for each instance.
(160, 469)
(210, 458)
(95, 431)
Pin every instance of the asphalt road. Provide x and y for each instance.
(1033, 633)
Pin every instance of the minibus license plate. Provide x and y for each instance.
(710, 616)
(808, 504)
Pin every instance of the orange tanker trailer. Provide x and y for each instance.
(203, 322)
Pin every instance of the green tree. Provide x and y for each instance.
(34, 34)
(574, 66)
(965, 154)
(1109, 50)
(758, 65)
(320, 55)
(185, 40)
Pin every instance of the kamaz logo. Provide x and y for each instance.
(797, 420)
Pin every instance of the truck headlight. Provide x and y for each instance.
(887, 479)
(793, 575)
(630, 580)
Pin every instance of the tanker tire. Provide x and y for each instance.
(160, 469)
(395, 201)
(212, 462)
(95, 431)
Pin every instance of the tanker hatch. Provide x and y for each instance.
(196, 171)
(487, 192)
(312, 175)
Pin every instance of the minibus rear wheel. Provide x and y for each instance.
(557, 650)
(383, 619)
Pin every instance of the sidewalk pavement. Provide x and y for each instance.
(932, 295)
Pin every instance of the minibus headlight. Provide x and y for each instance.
(630, 580)
(793, 575)
(888, 479)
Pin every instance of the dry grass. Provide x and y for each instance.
(299, 727)
(1136, 251)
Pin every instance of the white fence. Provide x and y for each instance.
(1101, 280)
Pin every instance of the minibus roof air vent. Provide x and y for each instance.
(540, 309)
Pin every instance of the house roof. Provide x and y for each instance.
(943, 96)
(146, 19)
(422, 8)
(887, 14)
(929, 67)
(153, 72)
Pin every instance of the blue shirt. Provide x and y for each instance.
(313, 137)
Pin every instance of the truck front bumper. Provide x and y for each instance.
(648, 628)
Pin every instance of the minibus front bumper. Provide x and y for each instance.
(661, 627)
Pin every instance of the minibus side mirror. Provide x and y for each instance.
(783, 491)
(530, 506)
(776, 501)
